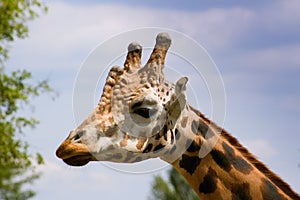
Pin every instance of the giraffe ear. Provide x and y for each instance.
(180, 89)
(177, 105)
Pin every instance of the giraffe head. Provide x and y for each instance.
(135, 116)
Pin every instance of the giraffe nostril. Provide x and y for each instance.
(78, 135)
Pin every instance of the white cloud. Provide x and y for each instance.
(57, 170)
(281, 14)
(60, 181)
(275, 58)
(261, 148)
(65, 36)
(71, 30)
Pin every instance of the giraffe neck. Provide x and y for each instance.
(228, 171)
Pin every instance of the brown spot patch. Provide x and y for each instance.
(148, 148)
(238, 162)
(189, 163)
(165, 129)
(209, 184)
(173, 149)
(111, 131)
(177, 134)
(117, 156)
(124, 81)
(221, 159)
(137, 159)
(241, 191)
(129, 156)
(158, 148)
(184, 122)
(195, 127)
(123, 143)
(194, 147)
(141, 142)
(269, 191)
(199, 127)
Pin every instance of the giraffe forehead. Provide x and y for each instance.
(139, 83)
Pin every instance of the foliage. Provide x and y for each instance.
(13, 17)
(17, 164)
(176, 188)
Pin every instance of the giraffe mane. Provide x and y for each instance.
(251, 158)
(260, 166)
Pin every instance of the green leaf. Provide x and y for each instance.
(176, 188)
(39, 159)
(17, 88)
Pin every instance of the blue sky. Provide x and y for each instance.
(256, 47)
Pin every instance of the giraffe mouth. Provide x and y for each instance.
(79, 160)
(74, 154)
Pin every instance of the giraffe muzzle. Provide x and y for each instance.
(74, 154)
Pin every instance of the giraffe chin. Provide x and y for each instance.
(79, 160)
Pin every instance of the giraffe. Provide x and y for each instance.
(141, 115)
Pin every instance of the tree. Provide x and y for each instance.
(176, 188)
(14, 15)
(17, 165)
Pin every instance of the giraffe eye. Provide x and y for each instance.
(145, 112)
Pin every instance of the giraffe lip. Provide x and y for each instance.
(74, 154)
(79, 160)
